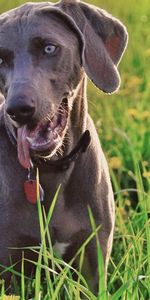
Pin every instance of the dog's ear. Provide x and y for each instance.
(105, 41)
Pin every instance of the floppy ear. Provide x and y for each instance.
(105, 41)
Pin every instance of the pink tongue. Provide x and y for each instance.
(23, 147)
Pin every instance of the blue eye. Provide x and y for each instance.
(50, 49)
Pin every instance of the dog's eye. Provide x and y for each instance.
(50, 49)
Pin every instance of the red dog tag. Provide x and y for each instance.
(30, 189)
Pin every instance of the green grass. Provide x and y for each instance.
(123, 124)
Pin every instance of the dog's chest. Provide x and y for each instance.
(64, 224)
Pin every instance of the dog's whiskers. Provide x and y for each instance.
(48, 119)
(60, 152)
(62, 109)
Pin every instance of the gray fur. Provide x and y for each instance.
(92, 42)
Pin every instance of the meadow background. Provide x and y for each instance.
(123, 124)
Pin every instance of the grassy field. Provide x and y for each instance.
(123, 123)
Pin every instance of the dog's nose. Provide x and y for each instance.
(21, 110)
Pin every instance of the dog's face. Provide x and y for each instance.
(44, 49)
(40, 68)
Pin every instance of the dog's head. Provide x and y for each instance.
(44, 51)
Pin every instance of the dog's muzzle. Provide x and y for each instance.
(44, 139)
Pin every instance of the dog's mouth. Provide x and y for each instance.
(45, 139)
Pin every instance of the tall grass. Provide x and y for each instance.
(123, 124)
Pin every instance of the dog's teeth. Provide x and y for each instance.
(30, 140)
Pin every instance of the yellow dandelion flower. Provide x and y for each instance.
(127, 202)
(115, 162)
(145, 115)
(123, 92)
(147, 52)
(121, 211)
(108, 137)
(145, 163)
(125, 193)
(133, 112)
(146, 174)
(134, 81)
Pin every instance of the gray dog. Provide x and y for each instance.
(46, 51)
